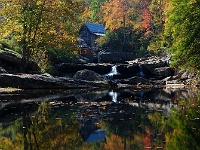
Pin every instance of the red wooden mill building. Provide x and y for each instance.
(88, 33)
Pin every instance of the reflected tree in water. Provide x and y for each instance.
(11, 132)
(185, 124)
(46, 129)
(180, 129)
(56, 132)
(125, 127)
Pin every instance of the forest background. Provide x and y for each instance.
(46, 31)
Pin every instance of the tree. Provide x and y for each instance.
(40, 24)
(114, 41)
(146, 16)
(131, 18)
(95, 9)
(157, 8)
(182, 24)
(120, 13)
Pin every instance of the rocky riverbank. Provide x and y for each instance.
(144, 72)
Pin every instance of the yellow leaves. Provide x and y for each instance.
(44, 19)
(115, 11)
(7, 144)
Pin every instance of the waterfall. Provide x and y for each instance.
(141, 96)
(113, 96)
(141, 74)
(112, 72)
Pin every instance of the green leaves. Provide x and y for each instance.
(185, 125)
(41, 24)
(182, 23)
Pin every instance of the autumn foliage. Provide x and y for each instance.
(40, 24)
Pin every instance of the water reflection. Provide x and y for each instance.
(123, 119)
(113, 96)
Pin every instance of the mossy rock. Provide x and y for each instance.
(11, 60)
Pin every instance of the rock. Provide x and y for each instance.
(140, 71)
(73, 68)
(45, 81)
(185, 75)
(127, 70)
(11, 60)
(82, 59)
(197, 84)
(32, 67)
(144, 65)
(32, 81)
(10, 55)
(191, 75)
(2, 70)
(163, 71)
(89, 76)
(172, 80)
(151, 62)
(135, 80)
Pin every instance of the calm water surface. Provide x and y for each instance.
(125, 119)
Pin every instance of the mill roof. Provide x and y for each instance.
(97, 29)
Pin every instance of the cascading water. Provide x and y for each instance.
(141, 96)
(112, 72)
(141, 73)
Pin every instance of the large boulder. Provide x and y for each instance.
(89, 76)
(163, 72)
(11, 61)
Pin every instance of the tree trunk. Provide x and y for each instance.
(23, 65)
(25, 57)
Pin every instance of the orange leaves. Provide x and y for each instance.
(114, 142)
(147, 139)
(135, 13)
(146, 16)
(114, 11)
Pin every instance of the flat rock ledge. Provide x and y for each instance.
(89, 79)
(46, 81)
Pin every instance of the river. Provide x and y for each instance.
(125, 119)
